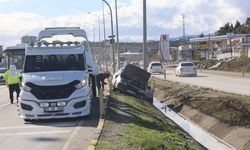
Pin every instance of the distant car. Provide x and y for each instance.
(155, 67)
(186, 69)
(2, 71)
(133, 80)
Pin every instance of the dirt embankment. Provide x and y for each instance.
(232, 65)
(223, 114)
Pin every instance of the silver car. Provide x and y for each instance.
(186, 69)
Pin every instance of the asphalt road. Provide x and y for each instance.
(63, 134)
(221, 82)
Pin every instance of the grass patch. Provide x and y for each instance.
(134, 124)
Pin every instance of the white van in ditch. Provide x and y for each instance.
(56, 76)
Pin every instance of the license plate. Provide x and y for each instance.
(53, 109)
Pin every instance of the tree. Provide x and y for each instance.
(224, 30)
(248, 21)
(201, 35)
(226, 27)
(237, 24)
(231, 28)
(238, 28)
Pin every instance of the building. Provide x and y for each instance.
(208, 47)
(174, 53)
(184, 53)
(131, 56)
(220, 47)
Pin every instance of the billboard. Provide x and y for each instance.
(164, 47)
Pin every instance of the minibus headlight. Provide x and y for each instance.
(81, 84)
(60, 104)
(26, 88)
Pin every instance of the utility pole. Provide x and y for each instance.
(117, 36)
(94, 33)
(104, 37)
(231, 50)
(112, 35)
(103, 18)
(145, 49)
(99, 26)
(184, 34)
(230, 36)
(209, 47)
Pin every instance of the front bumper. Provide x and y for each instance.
(185, 73)
(69, 111)
(156, 71)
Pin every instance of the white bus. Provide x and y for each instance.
(14, 55)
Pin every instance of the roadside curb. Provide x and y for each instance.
(98, 129)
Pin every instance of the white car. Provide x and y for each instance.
(155, 67)
(186, 69)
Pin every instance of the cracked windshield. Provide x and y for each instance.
(124, 75)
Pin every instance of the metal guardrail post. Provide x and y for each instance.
(164, 71)
(101, 103)
(154, 84)
(243, 72)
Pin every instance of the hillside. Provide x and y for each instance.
(234, 65)
(238, 28)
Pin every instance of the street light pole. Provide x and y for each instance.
(94, 31)
(99, 24)
(103, 18)
(117, 36)
(112, 35)
(145, 50)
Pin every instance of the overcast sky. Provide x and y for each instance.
(28, 17)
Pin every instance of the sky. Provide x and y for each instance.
(28, 17)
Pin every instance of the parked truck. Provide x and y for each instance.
(58, 76)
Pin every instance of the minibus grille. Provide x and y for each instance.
(53, 92)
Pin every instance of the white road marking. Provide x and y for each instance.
(35, 133)
(1, 106)
(67, 143)
(40, 126)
